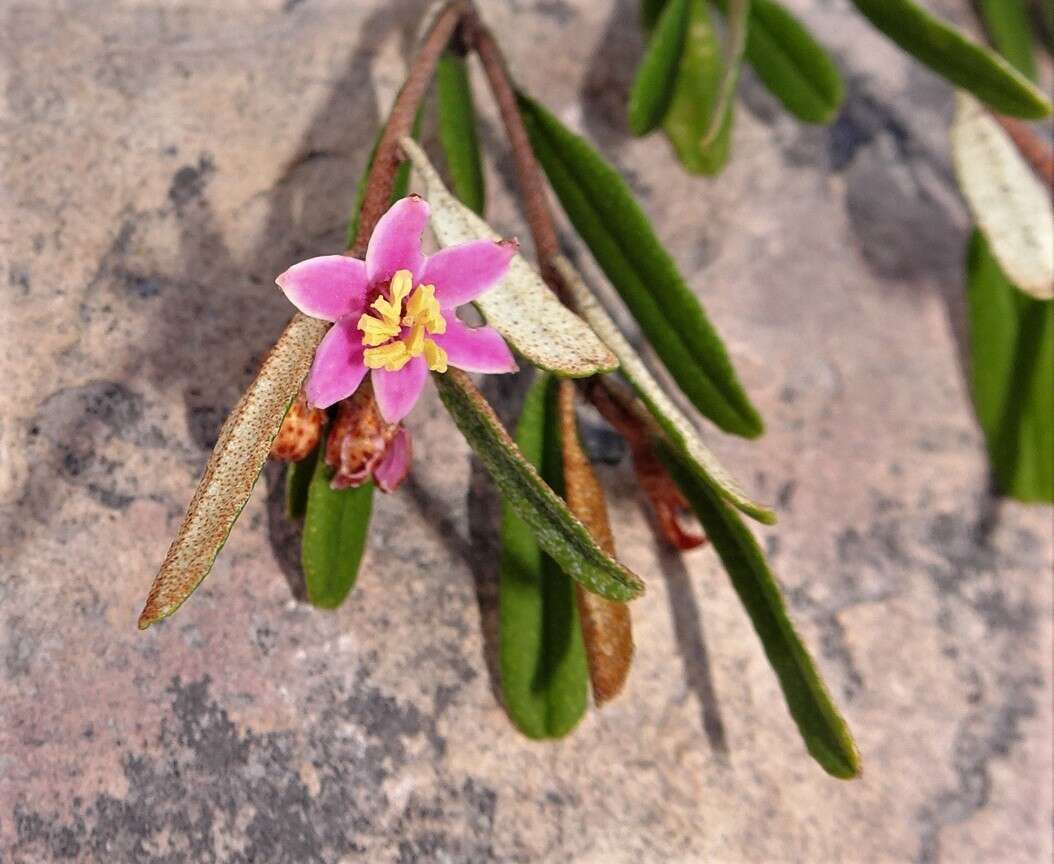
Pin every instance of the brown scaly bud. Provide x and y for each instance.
(301, 429)
(358, 439)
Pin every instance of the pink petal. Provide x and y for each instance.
(396, 241)
(461, 273)
(337, 369)
(396, 463)
(328, 287)
(474, 349)
(397, 392)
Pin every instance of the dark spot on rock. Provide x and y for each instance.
(205, 424)
(188, 183)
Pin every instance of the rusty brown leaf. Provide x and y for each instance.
(607, 628)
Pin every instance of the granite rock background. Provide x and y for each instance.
(163, 161)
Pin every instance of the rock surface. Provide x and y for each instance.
(162, 162)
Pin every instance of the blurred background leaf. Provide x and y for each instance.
(954, 56)
(457, 130)
(652, 88)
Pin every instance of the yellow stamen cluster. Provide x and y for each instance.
(386, 347)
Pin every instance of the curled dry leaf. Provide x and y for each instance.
(666, 498)
(672, 420)
(1012, 207)
(299, 433)
(236, 461)
(607, 629)
(520, 307)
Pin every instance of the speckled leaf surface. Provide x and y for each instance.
(1011, 205)
(231, 472)
(520, 307)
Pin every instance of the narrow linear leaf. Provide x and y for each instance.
(231, 472)
(653, 86)
(607, 629)
(543, 661)
(695, 108)
(823, 729)
(1007, 22)
(621, 239)
(676, 426)
(457, 130)
(952, 55)
(1010, 204)
(650, 10)
(1012, 376)
(557, 531)
(297, 480)
(736, 37)
(520, 307)
(400, 183)
(334, 536)
(791, 63)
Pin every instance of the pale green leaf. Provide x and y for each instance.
(1012, 207)
(520, 307)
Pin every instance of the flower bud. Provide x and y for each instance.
(301, 429)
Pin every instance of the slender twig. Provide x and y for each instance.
(1037, 152)
(387, 158)
(528, 174)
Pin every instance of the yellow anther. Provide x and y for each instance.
(435, 356)
(392, 357)
(381, 335)
(375, 331)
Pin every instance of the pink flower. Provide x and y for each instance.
(394, 312)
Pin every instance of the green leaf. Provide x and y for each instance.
(825, 732)
(736, 37)
(674, 424)
(650, 10)
(521, 306)
(544, 673)
(457, 130)
(696, 100)
(400, 183)
(1012, 376)
(1007, 22)
(791, 63)
(334, 536)
(236, 461)
(952, 55)
(654, 83)
(297, 480)
(1011, 205)
(557, 531)
(621, 239)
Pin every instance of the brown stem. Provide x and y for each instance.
(528, 174)
(657, 484)
(1036, 151)
(400, 121)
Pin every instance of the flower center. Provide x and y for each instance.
(392, 338)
